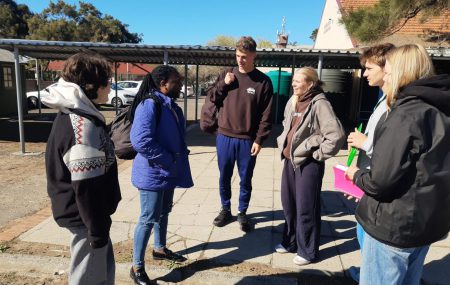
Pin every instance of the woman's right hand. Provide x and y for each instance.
(356, 139)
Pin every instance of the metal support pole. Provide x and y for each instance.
(278, 95)
(19, 99)
(38, 86)
(291, 90)
(185, 93)
(197, 94)
(115, 83)
(319, 66)
(166, 58)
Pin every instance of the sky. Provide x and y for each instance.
(195, 22)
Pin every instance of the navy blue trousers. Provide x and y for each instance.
(230, 151)
(300, 197)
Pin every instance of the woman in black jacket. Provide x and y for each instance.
(407, 201)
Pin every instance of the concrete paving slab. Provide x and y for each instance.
(328, 262)
(341, 225)
(230, 245)
(47, 232)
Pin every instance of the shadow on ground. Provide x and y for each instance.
(258, 243)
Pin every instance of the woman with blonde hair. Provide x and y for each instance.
(312, 133)
(407, 202)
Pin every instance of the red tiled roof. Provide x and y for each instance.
(355, 4)
(439, 23)
(58, 65)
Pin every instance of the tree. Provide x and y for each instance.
(313, 35)
(389, 16)
(229, 41)
(64, 22)
(221, 40)
(13, 19)
(263, 43)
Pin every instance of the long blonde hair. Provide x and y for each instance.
(408, 63)
(310, 75)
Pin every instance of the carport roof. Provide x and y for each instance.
(182, 54)
(193, 54)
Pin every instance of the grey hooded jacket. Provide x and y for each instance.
(319, 135)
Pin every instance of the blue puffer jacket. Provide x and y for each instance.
(162, 160)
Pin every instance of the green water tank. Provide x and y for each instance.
(285, 81)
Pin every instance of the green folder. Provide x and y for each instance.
(352, 153)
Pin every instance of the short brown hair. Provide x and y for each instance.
(246, 43)
(376, 54)
(89, 71)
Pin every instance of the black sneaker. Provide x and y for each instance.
(223, 218)
(140, 277)
(168, 255)
(243, 222)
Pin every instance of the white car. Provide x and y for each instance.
(190, 91)
(129, 85)
(32, 97)
(123, 97)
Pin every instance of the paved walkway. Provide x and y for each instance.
(191, 231)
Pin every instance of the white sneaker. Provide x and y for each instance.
(300, 260)
(280, 248)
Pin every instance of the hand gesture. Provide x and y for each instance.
(356, 139)
(229, 78)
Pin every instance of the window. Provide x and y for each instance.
(7, 77)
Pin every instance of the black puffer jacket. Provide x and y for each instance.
(407, 201)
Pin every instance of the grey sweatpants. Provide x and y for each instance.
(89, 266)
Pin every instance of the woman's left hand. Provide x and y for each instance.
(350, 173)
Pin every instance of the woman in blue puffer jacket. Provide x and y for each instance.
(161, 164)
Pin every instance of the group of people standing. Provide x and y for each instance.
(403, 167)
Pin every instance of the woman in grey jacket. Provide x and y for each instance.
(312, 133)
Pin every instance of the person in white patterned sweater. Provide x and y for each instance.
(82, 176)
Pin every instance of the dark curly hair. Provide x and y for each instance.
(150, 83)
(88, 70)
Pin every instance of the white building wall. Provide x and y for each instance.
(332, 34)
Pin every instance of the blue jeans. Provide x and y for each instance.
(360, 235)
(383, 264)
(230, 151)
(155, 209)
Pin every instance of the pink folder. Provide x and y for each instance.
(345, 185)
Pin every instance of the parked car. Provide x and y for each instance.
(130, 85)
(123, 97)
(190, 91)
(32, 97)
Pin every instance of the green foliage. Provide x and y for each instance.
(229, 41)
(13, 19)
(221, 40)
(263, 43)
(313, 35)
(388, 16)
(64, 22)
(3, 247)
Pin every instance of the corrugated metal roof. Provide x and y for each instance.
(181, 54)
(187, 54)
